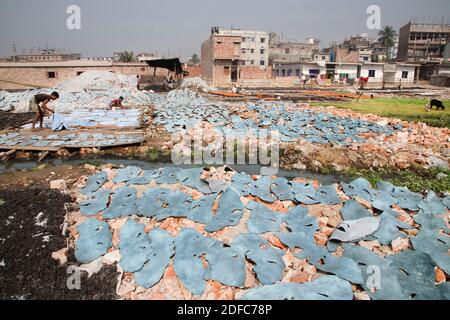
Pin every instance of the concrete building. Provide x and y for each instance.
(289, 51)
(235, 56)
(143, 57)
(28, 75)
(343, 71)
(300, 70)
(397, 73)
(45, 55)
(254, 45)
(423, 42)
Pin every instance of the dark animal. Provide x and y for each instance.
(437, 103)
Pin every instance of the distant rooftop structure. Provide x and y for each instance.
(287, 50)
(45, 55)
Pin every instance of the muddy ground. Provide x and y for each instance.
(31, 218)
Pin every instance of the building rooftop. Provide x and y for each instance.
(68, 64)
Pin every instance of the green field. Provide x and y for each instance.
(409, 109)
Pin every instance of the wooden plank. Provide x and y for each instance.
(43, 155)
(9, 153)
(28, 148)
(105, 146)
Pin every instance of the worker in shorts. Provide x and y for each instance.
(38, 104)
(117, 103)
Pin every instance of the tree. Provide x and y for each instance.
(195, 59)
(126, 56)
(387, 37)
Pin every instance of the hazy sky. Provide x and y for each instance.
(177, 27)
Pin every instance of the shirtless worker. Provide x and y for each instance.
(117, 103)
(38, 104)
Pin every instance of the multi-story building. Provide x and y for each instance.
(289, 51)
(235, 56)
(254, 45)
(423, 42)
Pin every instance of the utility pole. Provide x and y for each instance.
(14, 49)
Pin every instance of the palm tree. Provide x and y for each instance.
(195, 59)
(387, 37)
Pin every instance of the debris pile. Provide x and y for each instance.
(217, 234)
(196, 84)
(92, 89)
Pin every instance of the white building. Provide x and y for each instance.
(303, 70)
(399, 72)
(372, 70)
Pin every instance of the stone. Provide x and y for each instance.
(439, 276)
(400, 244)
(90, 167)
(111, 257)
(61, 256)
(58, 184)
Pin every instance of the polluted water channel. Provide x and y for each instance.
(253, 169)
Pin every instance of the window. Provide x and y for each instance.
(289, 73)
(278, 73)
(366, 58)
(262, 62)
(252, 50)
(297, 72)
(244, 51)
(252, 62)
(404, 74)
(51, 74)
(263, 40)
(371, 73)
(219, 42)
(263, 51)
(226, 68)
(283, 72)
(323, 57)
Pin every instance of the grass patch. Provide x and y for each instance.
(415, 179)
(39, 168)
(152, 155)
(408, 109)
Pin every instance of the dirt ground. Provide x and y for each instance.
(31, 219)
(41, 175)
(14, 120)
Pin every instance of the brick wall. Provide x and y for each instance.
(19, 77)
(226, 47)
(222, 72)
(206, 61)
(194, 71)
(255, 72)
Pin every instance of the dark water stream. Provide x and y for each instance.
(27, 165)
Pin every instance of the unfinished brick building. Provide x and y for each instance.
(235, 56)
